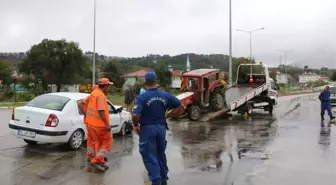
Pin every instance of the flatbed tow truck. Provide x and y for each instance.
(254, 89)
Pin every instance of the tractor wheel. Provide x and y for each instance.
(218, 99)
(194, 113)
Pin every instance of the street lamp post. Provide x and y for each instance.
(94, 45)
(250, 32)
(285, 55)
(230, 44)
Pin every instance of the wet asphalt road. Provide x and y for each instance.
(288, 148)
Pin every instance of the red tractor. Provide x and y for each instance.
(203, 91)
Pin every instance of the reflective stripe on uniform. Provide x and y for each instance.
(91, 150)
(103, 153)
(94, 116)
(92, 109)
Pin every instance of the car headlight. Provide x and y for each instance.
(127, 116)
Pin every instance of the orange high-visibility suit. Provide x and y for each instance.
(98, 137)
(91, 153)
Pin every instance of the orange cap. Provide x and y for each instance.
(105, 81)
(94, 87)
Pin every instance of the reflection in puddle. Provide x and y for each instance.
(206, 146)
(324, 138)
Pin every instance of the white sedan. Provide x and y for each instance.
(55, 118)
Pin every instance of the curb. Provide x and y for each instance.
(9, 107)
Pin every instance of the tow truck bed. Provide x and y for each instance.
(235, 97)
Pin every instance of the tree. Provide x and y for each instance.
(273, 75)
(55, 62)
(5, 72)
(305, 68)
(164, 76)
(111, 72)
(333, 77)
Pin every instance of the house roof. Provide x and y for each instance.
(177, 73)
(140, 73)
(199, 72)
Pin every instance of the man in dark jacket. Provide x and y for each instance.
(129, 98)
(325, 103)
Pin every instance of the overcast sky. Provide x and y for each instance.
(139, 27)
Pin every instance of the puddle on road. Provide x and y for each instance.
(193, 148)
(206, 146)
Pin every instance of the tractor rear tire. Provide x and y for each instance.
(217, 99)
(194, 113)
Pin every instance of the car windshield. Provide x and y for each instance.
(51, 102)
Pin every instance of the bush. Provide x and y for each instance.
(24, 97)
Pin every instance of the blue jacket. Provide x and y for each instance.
(152, 106)
(325, 96)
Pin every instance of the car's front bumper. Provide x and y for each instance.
(333, 101)
(43, 136)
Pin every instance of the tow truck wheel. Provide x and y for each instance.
(217, 99)
(249, 108)
(194, 113)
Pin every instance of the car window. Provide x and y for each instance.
(111, 108)
(51, 102)
(79, 111)
(273, 86)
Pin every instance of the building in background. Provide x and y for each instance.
(325, 78)
(134, 77)
(281, 78)
(309, 77)
(176, 79)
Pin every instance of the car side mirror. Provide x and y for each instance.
(119, 110)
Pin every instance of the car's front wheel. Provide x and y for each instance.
(126, 129)
(76, 140)
(30, 142)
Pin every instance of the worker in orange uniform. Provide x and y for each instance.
(98, 125)
(82, 105)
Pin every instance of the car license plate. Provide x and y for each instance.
(26, 133)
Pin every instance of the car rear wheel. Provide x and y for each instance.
(30, 142)
(76, 140)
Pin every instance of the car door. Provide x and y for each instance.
(81, 116)
(115, 118)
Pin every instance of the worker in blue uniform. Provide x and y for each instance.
(325, 103)
(149, 122)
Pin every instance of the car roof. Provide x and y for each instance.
(71, 95)
(199, 72)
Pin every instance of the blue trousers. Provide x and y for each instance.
(152, 146)
(326, 106)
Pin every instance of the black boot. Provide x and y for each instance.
(98, 166)
(164, 182)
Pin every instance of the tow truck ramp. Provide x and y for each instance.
(236, 97)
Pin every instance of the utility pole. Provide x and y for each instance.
(94, 45)
(250, 32)
(230, 44)
(285, 53)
